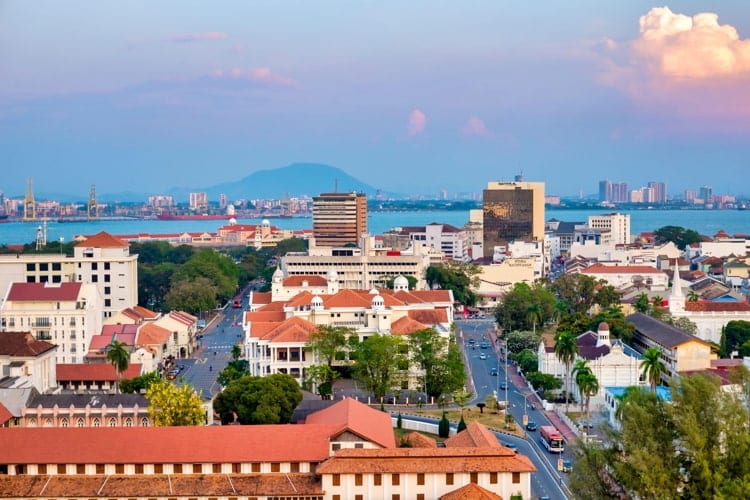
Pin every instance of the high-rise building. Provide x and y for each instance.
(660, 191)
(512, 211)
(690, 196)
(605, 191)
(339, 218)
(198, 201)
(707, 194)
(620, 192)
(618, 225)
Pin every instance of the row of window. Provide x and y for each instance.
(95, 422)
(236, 468)
(377, 479)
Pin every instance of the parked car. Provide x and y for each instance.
(567, 466)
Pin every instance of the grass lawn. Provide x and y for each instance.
(490, 419)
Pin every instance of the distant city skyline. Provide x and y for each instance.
(415, 98)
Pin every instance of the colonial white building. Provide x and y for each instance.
(277, 331)
(613, 363)
(626, 276)
(66, 314)
(27, 359)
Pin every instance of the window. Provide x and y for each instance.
(420, 479)
(107, 302)
(336, 478)
(336, 446)
(95, 423)
(359, 497)
(395, 479)
(357, 479)
(119, 468)
(106, 278)
(94, 266)
(106, 266)
(43, 266)
(377, 480)
(474, 477)
(177, 468)
(31, 267)
(100, 468)
(107, 290)
(336, 497)
(61, 468)
(395, 496)
(420, 496)
(158, 468)
(493, 477)
(41, 469)
(64, 422)
(56, 266)
(94, 278)
(144, 422)
(275, 467)
(294, 467)
(255, 467)
(139, 468)
(516, 477)
(80, 423)
(57, 279)
(113, 422)
(236, 468)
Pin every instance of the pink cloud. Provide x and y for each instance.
(682, 65)
(259, 74)
(475, 127)
(197, 37)
(417, 123)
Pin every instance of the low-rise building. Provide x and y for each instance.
(86, 410)
(29, 360)
(625, 276)
(93, 377)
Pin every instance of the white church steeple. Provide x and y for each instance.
(676, 298)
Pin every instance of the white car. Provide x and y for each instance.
(483, 356)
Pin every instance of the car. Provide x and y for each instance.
(472, 341)
(504, 386)
(482, 356)
(531, 426)
(567, 466)
(484, 345)
(510, 445)
(493, 372)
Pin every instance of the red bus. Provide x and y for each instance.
(551, 438)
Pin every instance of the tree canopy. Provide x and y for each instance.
(259, 400)
(735, 336)
(525, 307)
(692, 447)
(457, 276)
(678, 235)
(172, 405)
(381, 362)
(440, 360)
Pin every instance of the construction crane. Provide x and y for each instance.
(29, 204)
(92, 210)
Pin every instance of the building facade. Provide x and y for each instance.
(339, 218)
(617, 224)
(512, 211)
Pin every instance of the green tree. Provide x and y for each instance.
(577, 291)
(220, 270)
(619, 326)
(524, 307)
(684, 324)
(642, 304)
(735, 335)
(652, 367)
(320, 378)
(329, 343)
(460, 277)
(678, 235)
(259, 400)
(235, 369)
(192, 295)
(380, 359)
(580, 371)
(119, 357)
(444, 427)
(566, 349)
(692, 296)
(588, 385)
(527, 360)
(439, 359)
(140, 383)
(517, 341)
(170, 405)
(544, 382)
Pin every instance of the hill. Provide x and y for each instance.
(296, 179)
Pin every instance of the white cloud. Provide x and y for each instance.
(417, 123)
(475, 127)
(258, 74)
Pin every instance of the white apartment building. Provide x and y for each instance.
(625, 276)
(616, 223)
(65, 314)
(359, 268)
(101, 260)
(198, 201)
(27, 359)
(453, 242)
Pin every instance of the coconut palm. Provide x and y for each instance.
(580, 369)
(119, 357)
(533, 314)
(588, 384)
(692, 296)
(653, 367)
(566, 349)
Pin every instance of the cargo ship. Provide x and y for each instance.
(169, 216)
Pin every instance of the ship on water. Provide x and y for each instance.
(166, 215)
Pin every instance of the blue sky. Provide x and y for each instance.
(408, 96)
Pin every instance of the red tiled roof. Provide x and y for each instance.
(475, 435)
(134, 445)
(602, 269)
(102, 240)
(312, 280)
(5, 414)
(263, 315)
(418, 440)
(425, 460)
(433, 295)
(94, 372)
(260, 298)
(23, 344)
(371, 424)
(103, 340)
(346, 298)
(406, 326)
(301, 299)
(183, 317)
(151, 334)
(294, 329)
(39, 292)
(429, 316)
(707, 306)
(471, 491)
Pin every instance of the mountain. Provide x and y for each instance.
(295, 179)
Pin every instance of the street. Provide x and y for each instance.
(547, 480)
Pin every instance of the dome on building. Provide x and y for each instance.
(378, 302)
(265, 223)
(603, 326)
(332, 275)
(401, 281)
(316, 302)
(232, 221)
(230, 209)
(374, 291)
(278, 275)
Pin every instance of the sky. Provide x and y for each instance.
(412, 97)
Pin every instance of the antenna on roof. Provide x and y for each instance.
(335, 185)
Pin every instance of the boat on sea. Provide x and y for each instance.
(3, 218)
(194, 217)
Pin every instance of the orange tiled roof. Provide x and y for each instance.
(129, 445)
(471, 491)
(418, 440)
(346, 298)
(5, 414)
(263, 315)
(311, 279)
(475, 435)
(374, 425)
(706, 306)
(434, 295)
(406, 325)
(151, 334)
(102, 240)
(94, 372)
(429, 316)
(273, 306)
(161, 485)
(23, 344)
(291, 330)
(260, 298)
(301, 299)
(408, 297)
(426, 460)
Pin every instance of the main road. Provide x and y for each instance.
(547, 481)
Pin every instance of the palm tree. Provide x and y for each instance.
(580, 370)
(236, 352)
(588, 384)
(641, 304)
(119, 357)
(566, 349)
(534, 314)
(653, 367)
(692, 296)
